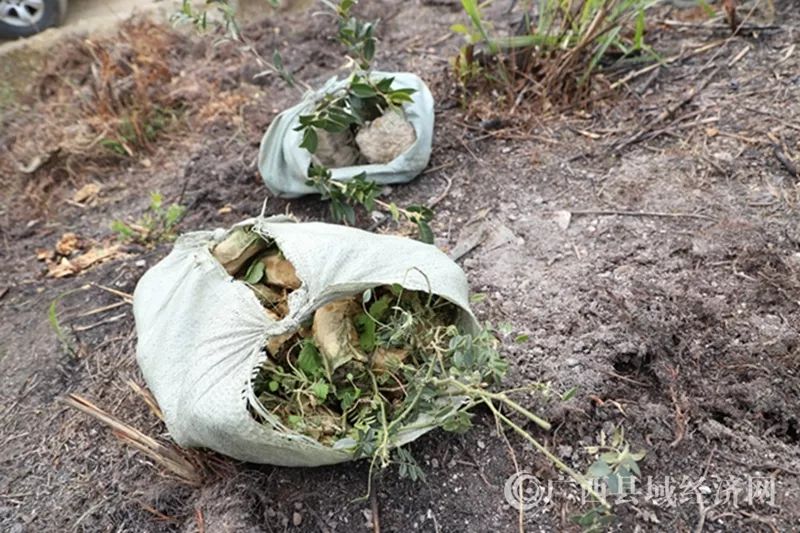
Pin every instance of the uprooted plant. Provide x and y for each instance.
(343, 195)
(554, 54)
(367, 370)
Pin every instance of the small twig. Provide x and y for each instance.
(715, 27)
(441, 196)
(123, 295)
(167, 457)
(103, 322)
(667, 61)
(201, 523)
(373, 502)
(521, 514)
(624, 378)
(680, 419)
(614, 212)
(703, 511)
(666, 114)
(102, 309)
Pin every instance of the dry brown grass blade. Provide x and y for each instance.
(167, 457)
(148, 398)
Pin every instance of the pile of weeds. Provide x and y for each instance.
(369, 371)
(99, 103)
(556, 54)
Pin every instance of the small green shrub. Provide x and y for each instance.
(156, 225)
(558, 48)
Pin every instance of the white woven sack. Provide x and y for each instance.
(201, 333)
(284, 165)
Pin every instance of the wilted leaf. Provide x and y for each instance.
(68, 267)
(67, 243)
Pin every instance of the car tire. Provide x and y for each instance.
(41, 14)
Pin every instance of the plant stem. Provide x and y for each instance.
(486, 395)
(411, 217)
(582, 481)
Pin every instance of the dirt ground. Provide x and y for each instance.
(670, 300)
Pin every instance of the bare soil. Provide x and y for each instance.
(670, 300)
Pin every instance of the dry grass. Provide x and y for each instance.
(167, 457)
(99, 103)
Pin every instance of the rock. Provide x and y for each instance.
(334, 150)
(238, 248)
(280, 272)
(297, 519)
(386, 137)
(334, 333)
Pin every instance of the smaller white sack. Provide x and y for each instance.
(201, 333)
(284, 165)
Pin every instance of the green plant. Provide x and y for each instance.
(356, 35)
(558, 47)
(615, 469)
(344, 195)
(226, 18)
(362, 100)
(156, 225)
(408, 364)
(67, 341)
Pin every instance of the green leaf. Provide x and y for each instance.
(362, 90)
(173, 215)
(155, 201)
(310, 140)
(425, 232)
(366, 328)
(422, 212)
(598, 470)
(254, 272)
(369, 50)
(309, 360)
(520, 339)
(385, 85)
(459, 422)
(394, 211)
(122, 229)
(379, 308)
(320, 390)
(273, 386)
(568, 395)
